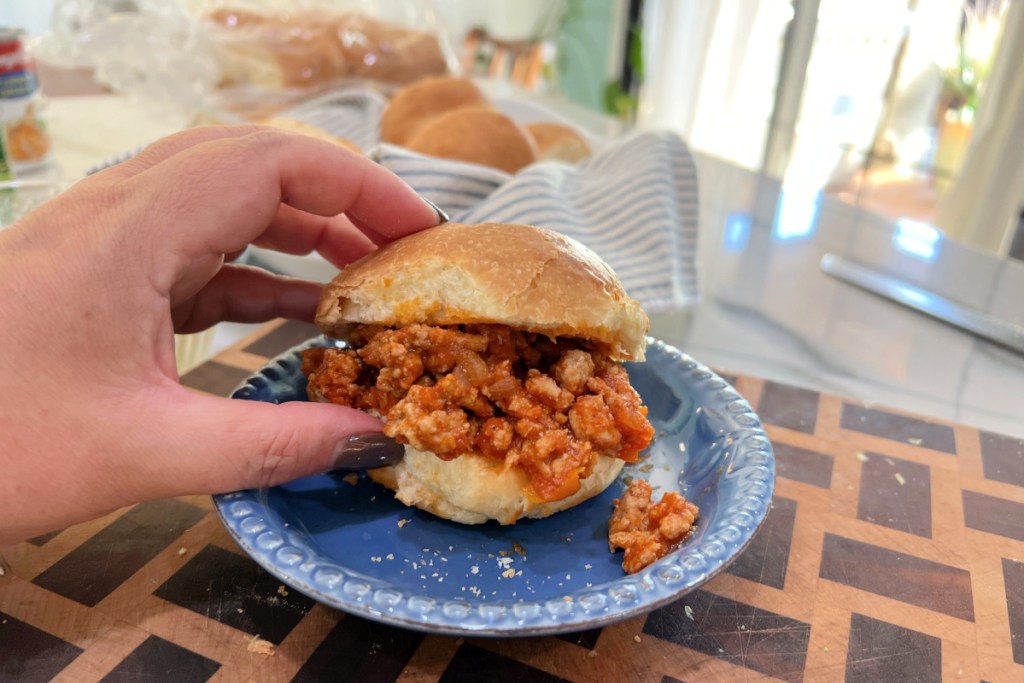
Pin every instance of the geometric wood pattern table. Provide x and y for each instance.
(894, 551)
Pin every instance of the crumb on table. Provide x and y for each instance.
(259, 646)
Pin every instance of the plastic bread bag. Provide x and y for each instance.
(289, 45)
(152, 50)
(226, 60)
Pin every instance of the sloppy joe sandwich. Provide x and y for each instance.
(494, 353)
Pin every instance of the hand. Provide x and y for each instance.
(94, 284)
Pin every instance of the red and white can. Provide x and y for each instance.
(23, 135)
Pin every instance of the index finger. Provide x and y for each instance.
(225, 193)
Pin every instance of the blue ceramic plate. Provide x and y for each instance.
(356, 548)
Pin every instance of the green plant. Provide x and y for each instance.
(618, 101)
(964, 75)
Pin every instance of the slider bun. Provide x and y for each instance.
(417, 104)
(479, 136)
(303, 128)
(473, 488)
(528, 278)
(558, 142)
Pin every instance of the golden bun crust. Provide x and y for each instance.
(556, 141)
(303, 128)
(416, 105)
(479, 136)
(525, 277)
(473, 489)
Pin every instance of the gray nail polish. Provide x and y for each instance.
(366, 451)
(444, 218)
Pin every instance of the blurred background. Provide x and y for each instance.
(913, 109)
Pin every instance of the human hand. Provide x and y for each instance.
(94, 284)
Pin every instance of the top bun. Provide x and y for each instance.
(418, 104)
(559, 142)
(528, 278)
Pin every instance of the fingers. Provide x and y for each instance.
(235, 444)
(246, 294)
(167, 147)
(297, 232)
(225, 193)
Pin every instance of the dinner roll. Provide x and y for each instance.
(558, 142)
(479, 136)
(416, 105)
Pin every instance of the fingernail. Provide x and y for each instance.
(441, 215)
(366, 451)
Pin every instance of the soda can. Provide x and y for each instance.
(24, 140)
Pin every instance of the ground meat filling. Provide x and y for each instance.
(547, 406)
(648, 531)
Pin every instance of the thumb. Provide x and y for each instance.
(220, 444)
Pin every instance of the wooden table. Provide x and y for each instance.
(894, 552)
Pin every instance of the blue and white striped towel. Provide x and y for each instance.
(634, 202)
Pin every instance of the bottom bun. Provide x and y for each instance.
(472, 489)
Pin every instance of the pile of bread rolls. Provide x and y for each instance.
(451, 118)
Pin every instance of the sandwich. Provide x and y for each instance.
(494, 354)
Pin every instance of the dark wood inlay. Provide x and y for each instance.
(789, 407)
(215, 378)
(895, 493)
(907, 578)
(360, 650)
(880, 651)
(738, 633)
(93, 570)
(280, 339)
(766, 558)
(800, 464)
(157, 659)
(994, 515)
(1002, 458)
(908, 430)
(234, 590)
